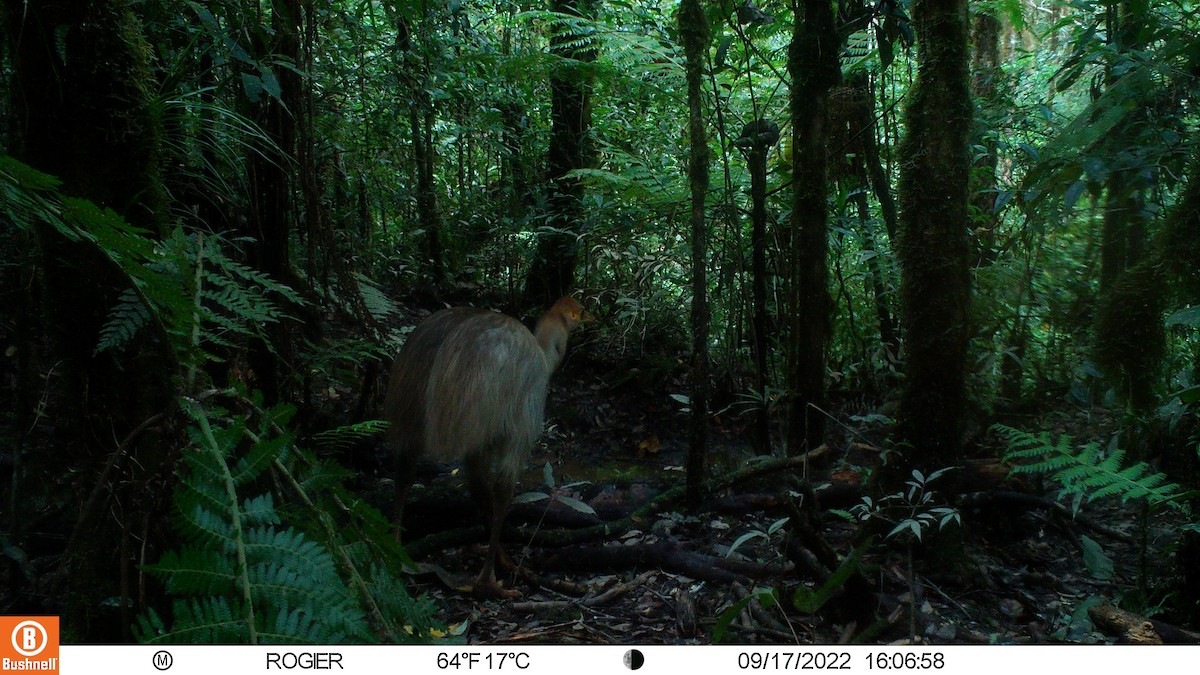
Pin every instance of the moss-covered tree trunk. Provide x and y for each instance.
(815, 70)
(413, 71)
(1131, 314)
(854, 133)
(515, 173)
(421, 118)
(552, 273)
(933, 246)
(693, 27)
(82, 87)
(986, 75)
(1129, 319)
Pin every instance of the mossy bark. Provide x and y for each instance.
(1130, 335)
(1131, 338)
(858, 128)
(933, 246)
(760, 429)
(815, 70)
(1126, 218)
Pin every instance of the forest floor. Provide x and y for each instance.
(1027, 571)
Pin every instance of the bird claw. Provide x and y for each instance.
(493, 589)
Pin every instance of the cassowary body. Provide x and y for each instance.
(470, 386)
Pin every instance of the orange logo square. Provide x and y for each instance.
(28, 644)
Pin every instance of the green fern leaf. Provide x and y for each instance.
(125, 320)
(1087, 472)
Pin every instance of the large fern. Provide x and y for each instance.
(245, 575)
(1087, 471)
(203, 296)
(184, 286)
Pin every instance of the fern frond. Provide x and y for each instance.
(296, 626)
(260, 510)
(125, 320)
(207, 620)
(1086, 471)
(377, 303)
(343, 437)
(246, 575)
(195, 571)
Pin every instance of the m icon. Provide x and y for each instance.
(162, 660)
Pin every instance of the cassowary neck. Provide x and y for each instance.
(551, 334)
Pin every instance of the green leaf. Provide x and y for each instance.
(576, 505)
(1014, 10)
(253, 86)
(1099, 565)
(270, 83)
(530, 497)
(743, 539)
(887, 53)
(1185, 317)
(722, 52)
(765, 597)
(1073, 193)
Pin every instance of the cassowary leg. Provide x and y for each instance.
(406, 472)
(493, 493)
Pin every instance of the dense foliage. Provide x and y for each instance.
(200, 200)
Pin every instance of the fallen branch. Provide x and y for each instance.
(1139, 630)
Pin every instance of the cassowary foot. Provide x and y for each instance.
(492, 589)
(505, 564)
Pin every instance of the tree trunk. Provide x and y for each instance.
(82, 86)
(1130, 315)
(693, 26)
(271, 209)
(815, 70)
(875, 285)
(933, 246)
(759, 144)
(1124, 230)
(515, 182)
(420, 117)
(552, 273)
